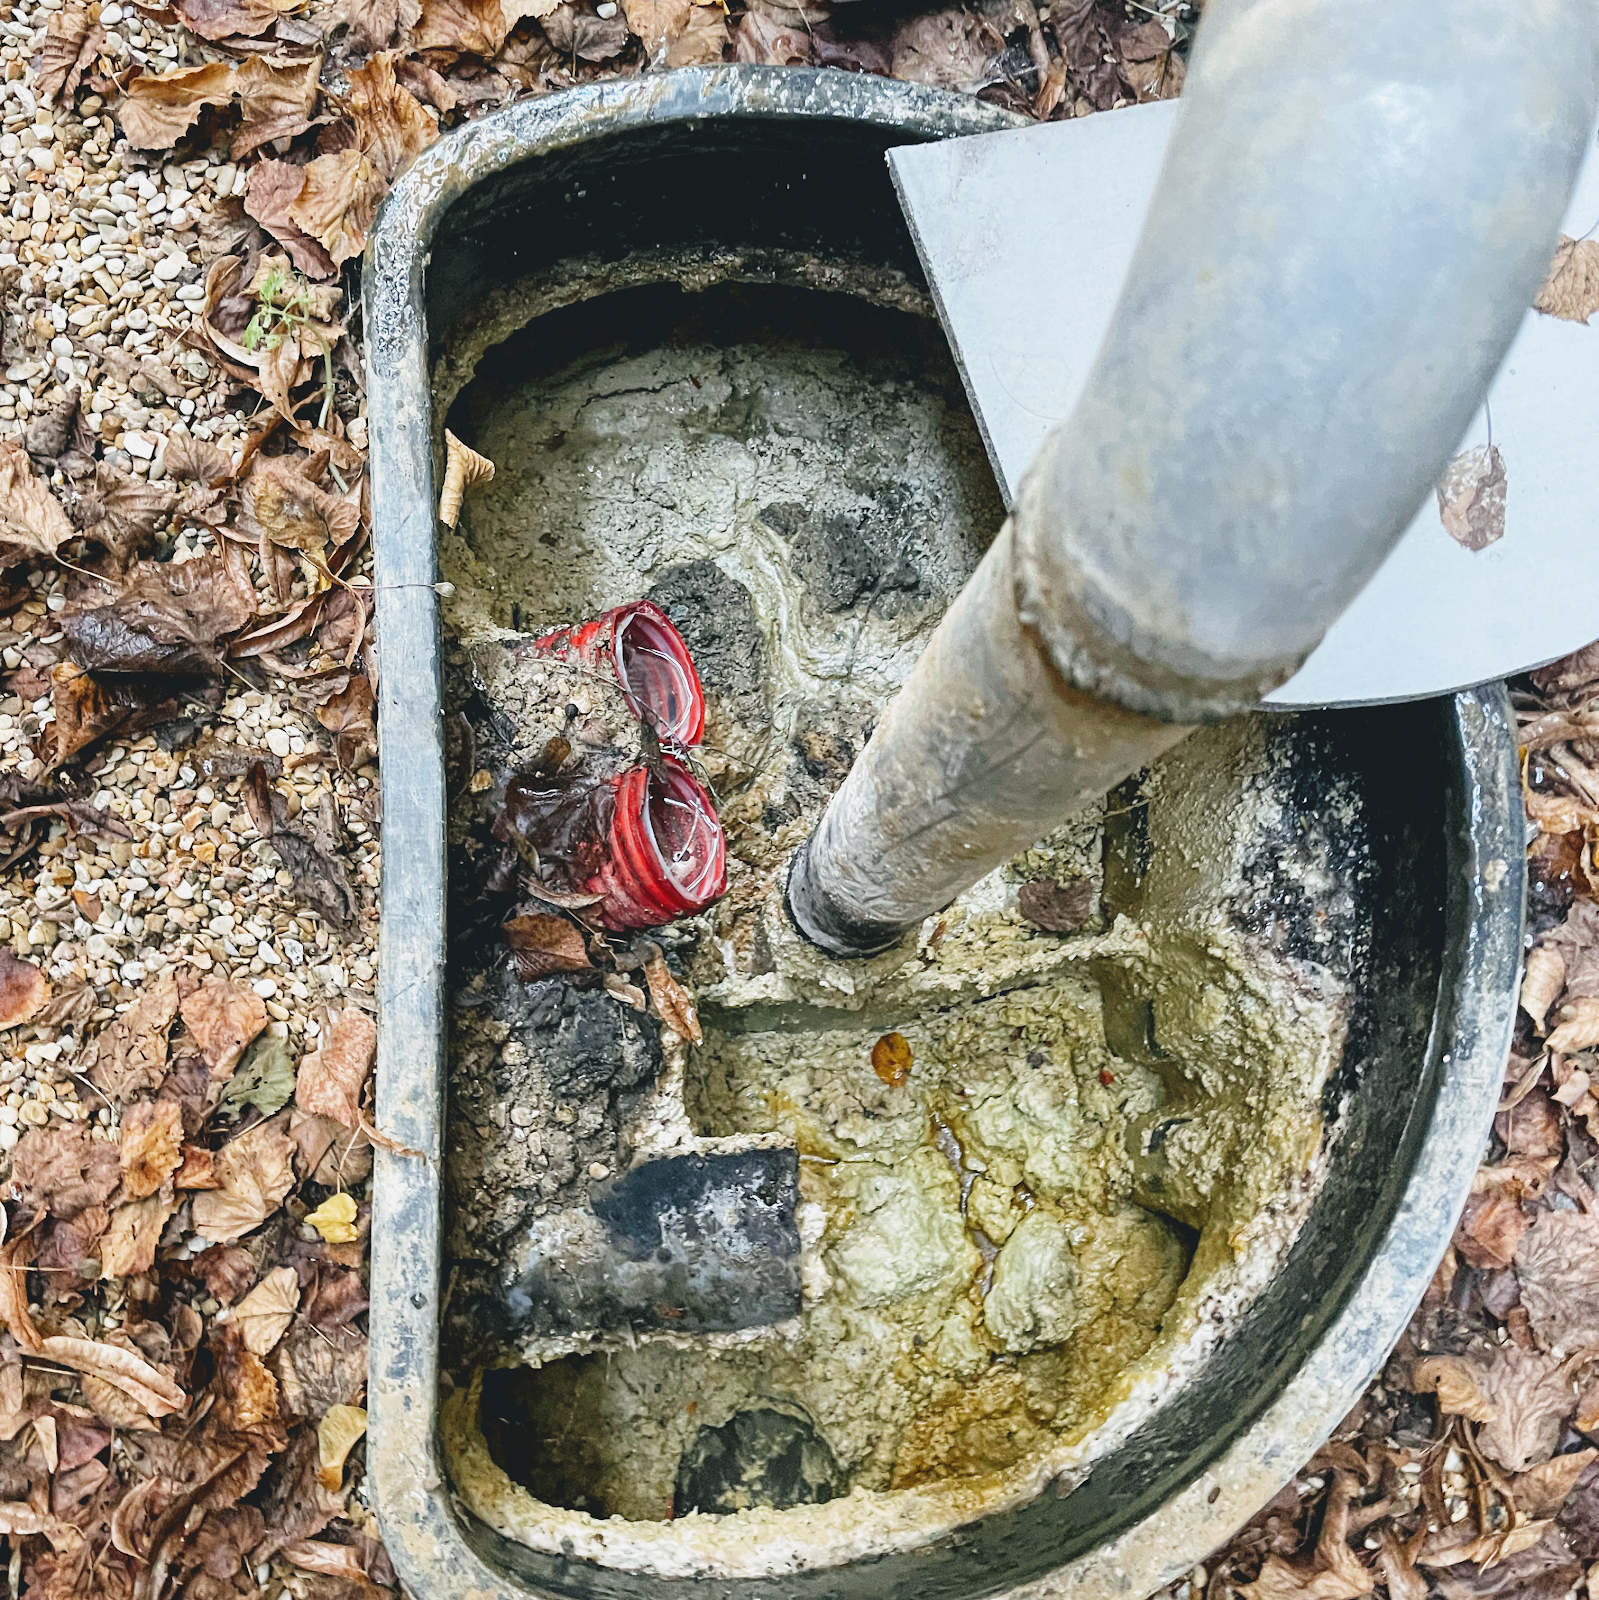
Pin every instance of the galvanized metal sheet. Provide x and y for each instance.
(1026, 237)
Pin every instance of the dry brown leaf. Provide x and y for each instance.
(1490, 1229)
(23, 990)
(331, 1079)
(372, 23)
(1578, 1026)
(1542, 1491)
(767, 40)
(1334, 1572)
(672, 1001)
(391, 125)
(1471, 497)
(1558, 1265)
(151, 1145)
(132, 1374)
(466, 27)
(542, 944)
(945, 49)
(254, 1174)
(1458, 1384)
(224, 1017)
(71, 42)
(1397, 1569)
(131, 1054)
(1571, 291)
(198, 459)
(1531, 1127)
(657, 23)
(247, 1393)
(317, 1555)
(337, 202)
(227, 19)
(32, 523)
(157, 109)
(63, 1170)
(264, 1314)
(336, 1436)
(703, 41)
(317, 1370)
(1532, 1395)
(277, 98)
(348, 716)
(1542, 982)
(463, 468)
(281, 504)
(129, 1244)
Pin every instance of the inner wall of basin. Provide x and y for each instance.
(1107, 1137)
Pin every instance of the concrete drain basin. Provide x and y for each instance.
(1085, 1274)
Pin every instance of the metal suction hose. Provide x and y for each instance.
(1360, 201)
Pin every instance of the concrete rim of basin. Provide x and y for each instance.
(427, 1536)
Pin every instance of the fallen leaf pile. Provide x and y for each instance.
(1470, 1470)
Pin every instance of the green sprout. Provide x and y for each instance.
(284, 304)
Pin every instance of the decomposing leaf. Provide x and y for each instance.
(945, 49)
(674, 1003)
(23, 990)
(226, 1270)
(247, 1393)
(336, 1436)
(466, 27)
(1333, 1572)
(348, 716)
(1471, 497)
(151, 1145)
(331, 1078)
(1558, 1265)
(463, 467)
(542, 944)
(1490, 1229)
(62, 1169)
(891, 1060)
(277, 98)
(1531, 1127)
(337, 202)
(334, 1219)
(131, 1054)
(281, 504)
(263, 1079)
(198, 459)
(71, 42)
(1057, 907)
(264, 1314)
(32, 523)
(1532, 1395)
(157, 109)
(129, 1244)
(224, 1017)
(132, 1374)
(1571, 291)
(125, 513)
(254, 1173)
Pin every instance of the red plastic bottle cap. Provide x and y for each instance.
(668, 855)
(638, 645)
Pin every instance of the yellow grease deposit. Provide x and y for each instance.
(1014, 1253)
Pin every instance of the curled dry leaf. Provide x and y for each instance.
(628, 993)
(543, 944)
(1545, 977)
(1571, 291)
(132, 1374)
(15, 1255)
(463, 467)
(1578, 1027)
(1471, 497)
(672, 1000)
(151, 1145)
(1542, 1491)
(264, 1314)
(277, 99)
(334, 1219)
(1457, 1382)
(703, 40)
(32, 523)
(23, 990)
(157, 109)
(317, 1555)
(331, 1079)
(224, 1017)
(336, 1436)
(254, 1173)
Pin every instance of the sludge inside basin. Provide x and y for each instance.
(1405, 896)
